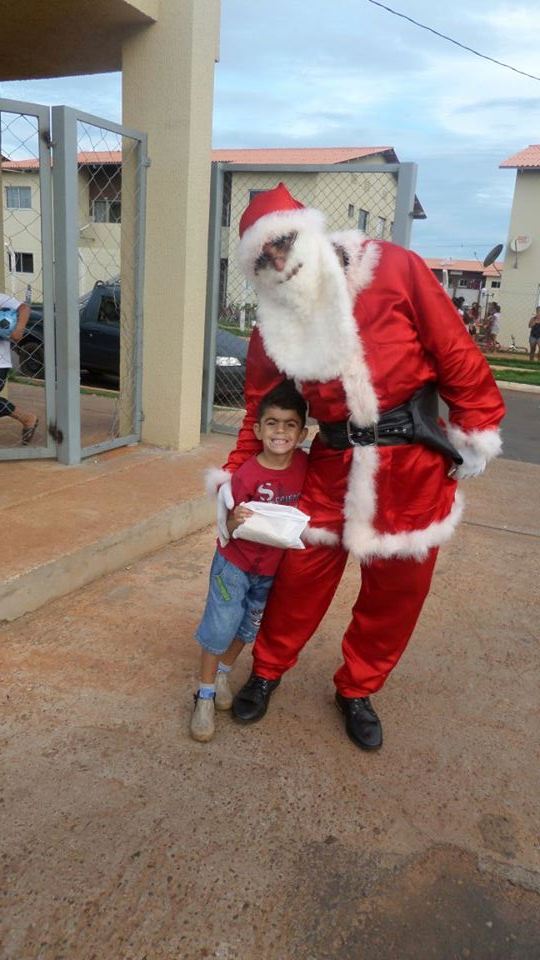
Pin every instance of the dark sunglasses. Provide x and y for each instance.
(280, 245)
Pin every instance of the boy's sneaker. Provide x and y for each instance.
(224, 696)
(202, 726)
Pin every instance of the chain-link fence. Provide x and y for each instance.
(351, 196)
(110, 174)
(26, 267)
(518, 301)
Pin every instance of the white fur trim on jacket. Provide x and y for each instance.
(214, 477)
(414, 543)
(320, 536)
(359, 534)
(272, 226)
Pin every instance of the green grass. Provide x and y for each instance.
(515, 375)
(520, 363)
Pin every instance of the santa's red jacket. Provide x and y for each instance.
(401, 333)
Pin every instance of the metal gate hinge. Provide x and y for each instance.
(147, 162)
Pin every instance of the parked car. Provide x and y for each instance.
(99, 319)
(231, 354)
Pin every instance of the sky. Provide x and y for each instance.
(348, 73)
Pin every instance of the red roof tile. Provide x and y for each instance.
(528, 158)
(469, 266)
(85, 157)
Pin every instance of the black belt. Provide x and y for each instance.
(412, 422)
(384, 433)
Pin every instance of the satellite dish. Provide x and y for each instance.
(521, 243)
(493, 254)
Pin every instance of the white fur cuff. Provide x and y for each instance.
(477, 448)
(320, 537)
(485, 443)
(214, 477)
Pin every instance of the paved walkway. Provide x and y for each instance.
(69, 525)
(122, 839)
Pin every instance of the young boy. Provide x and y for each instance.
(242, 571)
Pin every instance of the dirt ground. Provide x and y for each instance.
(122, 839)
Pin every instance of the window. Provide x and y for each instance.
(463, 283)
(21, 262)
(379, 230)
(351, 210)
(106, 211)
(362, 219)
(19, 198)
(495, 283)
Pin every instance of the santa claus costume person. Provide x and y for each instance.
(370, 338)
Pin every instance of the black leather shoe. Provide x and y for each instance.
(251, 702)
(361, 722)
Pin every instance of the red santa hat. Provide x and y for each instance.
(272, 214)
(267, 202)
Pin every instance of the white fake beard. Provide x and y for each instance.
(306, 319)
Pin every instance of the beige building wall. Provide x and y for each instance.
(99, 243)
(520, 288)
(22, 234)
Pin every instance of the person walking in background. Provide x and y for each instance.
(29, 421)
(495, 321)
(474, 315)
(534, 334)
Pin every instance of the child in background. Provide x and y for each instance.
(242, 571)
(28, 421)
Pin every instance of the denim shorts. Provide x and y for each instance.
(234, 606)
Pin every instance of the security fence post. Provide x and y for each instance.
(66, 242)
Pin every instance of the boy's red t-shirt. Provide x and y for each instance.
(254, 482)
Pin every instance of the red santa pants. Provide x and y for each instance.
(383, 618)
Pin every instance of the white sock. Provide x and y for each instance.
(207, 691)
(223, 668)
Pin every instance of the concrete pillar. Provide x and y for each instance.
(168, 71)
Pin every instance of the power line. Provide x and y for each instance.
(443, 36)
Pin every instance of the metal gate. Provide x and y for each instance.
(378, 198)
(83, 343)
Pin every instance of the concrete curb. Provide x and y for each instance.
(518, 387)
(32, 589)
